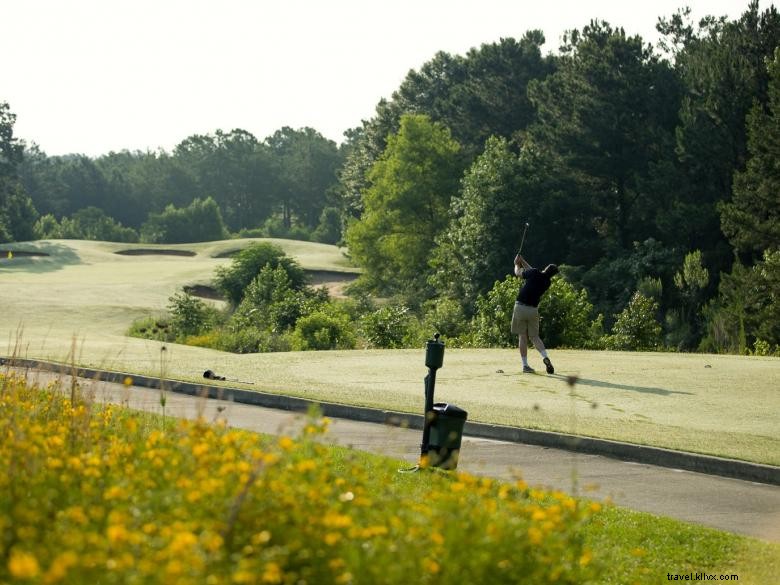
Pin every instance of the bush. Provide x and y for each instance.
(636, 327)
(200, 221)
(444, 316)
(89, 223)
(155, 328)
(274, 228)
(566, 316)
(270, 301)
(388, 327)
(329, 229)
(492, 323)
(321, 330)
(190, 315)
(233, 279)
(245, 340)
(764, 348)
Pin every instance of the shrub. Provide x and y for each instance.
(764, 348)
(90, 223)
(190, 315)
(274, 227)
(388, 327)
(636, 327)
(270, 301)
(566, 316)
(321, 330)
(492, 323)
(155, 328)
(445, 316)
(233, 279)
(244, 340)
(200, 221)
(329, 229)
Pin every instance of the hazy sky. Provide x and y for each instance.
(91, 76)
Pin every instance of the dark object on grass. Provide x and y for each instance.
(212, 376)
(209, 375)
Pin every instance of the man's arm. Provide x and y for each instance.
(520, 265)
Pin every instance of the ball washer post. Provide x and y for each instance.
(434, 359)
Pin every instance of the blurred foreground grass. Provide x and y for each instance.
(97, 493)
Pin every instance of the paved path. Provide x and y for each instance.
(738, 506)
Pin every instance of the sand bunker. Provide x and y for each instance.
(154, 252)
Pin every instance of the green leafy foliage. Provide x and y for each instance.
(324, 330)
(446, 317)
(190, 315)
(636, 327)
(751, 219)
(200, 221)
(747, 308)
(329, 227)
(17, 212)
(233, 279)
(90, 223)
(494, 315)
(566, 316)
(388, 327)
(406, 207)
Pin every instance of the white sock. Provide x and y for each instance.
(525, 360)
(544, 354)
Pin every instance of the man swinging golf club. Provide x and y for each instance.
(525, 317)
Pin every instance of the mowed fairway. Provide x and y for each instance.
(75, 304)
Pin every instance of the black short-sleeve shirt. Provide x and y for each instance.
(535, 284)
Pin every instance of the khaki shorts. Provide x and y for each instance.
(525, 319)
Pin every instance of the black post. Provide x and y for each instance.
(434, 359)
(430, 382)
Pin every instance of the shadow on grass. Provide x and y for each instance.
(37, 257)
(613, 386)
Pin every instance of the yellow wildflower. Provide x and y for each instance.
(431, 566)
(117, 533)
(535, 535)
(272, 573)
(333, 520)
(23, 565)
(59, 567)
(261, 537)
(306, 465)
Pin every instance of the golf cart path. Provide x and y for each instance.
(733, 505)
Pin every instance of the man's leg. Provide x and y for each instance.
(533, 333)
(539, 344)
(523, 345)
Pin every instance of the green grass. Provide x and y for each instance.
(77, 303)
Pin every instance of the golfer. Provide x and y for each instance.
(525, 317)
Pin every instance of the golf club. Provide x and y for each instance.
(209, 375)
(525, 229)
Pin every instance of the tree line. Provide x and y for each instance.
(647, 173)
(280, 186)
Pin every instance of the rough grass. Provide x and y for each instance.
(75, 304)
